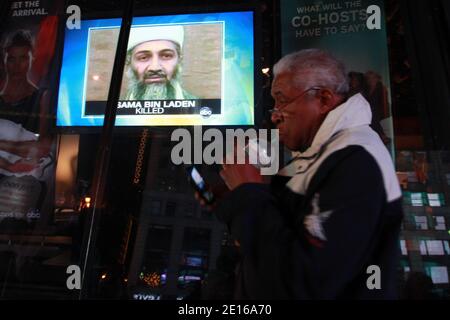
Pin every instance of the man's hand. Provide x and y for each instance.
(236, 174)
(198, 197)
(219, 191)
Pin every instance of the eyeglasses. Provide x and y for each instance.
(279, 111)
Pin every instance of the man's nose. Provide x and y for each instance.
(276, 118)
(154, 64)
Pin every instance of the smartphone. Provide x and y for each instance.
(200, 185)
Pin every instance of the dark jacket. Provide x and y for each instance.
(326, 217)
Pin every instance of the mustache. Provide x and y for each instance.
(158, 73)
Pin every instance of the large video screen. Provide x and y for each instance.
(180, 70)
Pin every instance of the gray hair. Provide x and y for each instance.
(321, 67)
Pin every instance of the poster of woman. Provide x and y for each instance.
(27, 145)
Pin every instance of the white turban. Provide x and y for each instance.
(140, 35)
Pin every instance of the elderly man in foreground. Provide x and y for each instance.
(327, 227)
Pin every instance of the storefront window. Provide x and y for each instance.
(115, 206)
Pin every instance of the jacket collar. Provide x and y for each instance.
(353, 113)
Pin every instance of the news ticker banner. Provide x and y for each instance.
(203, 107)
(355, 33)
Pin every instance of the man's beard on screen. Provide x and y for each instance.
(167, 90)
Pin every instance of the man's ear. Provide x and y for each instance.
(327, 101)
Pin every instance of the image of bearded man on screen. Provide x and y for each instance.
(154, 59)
